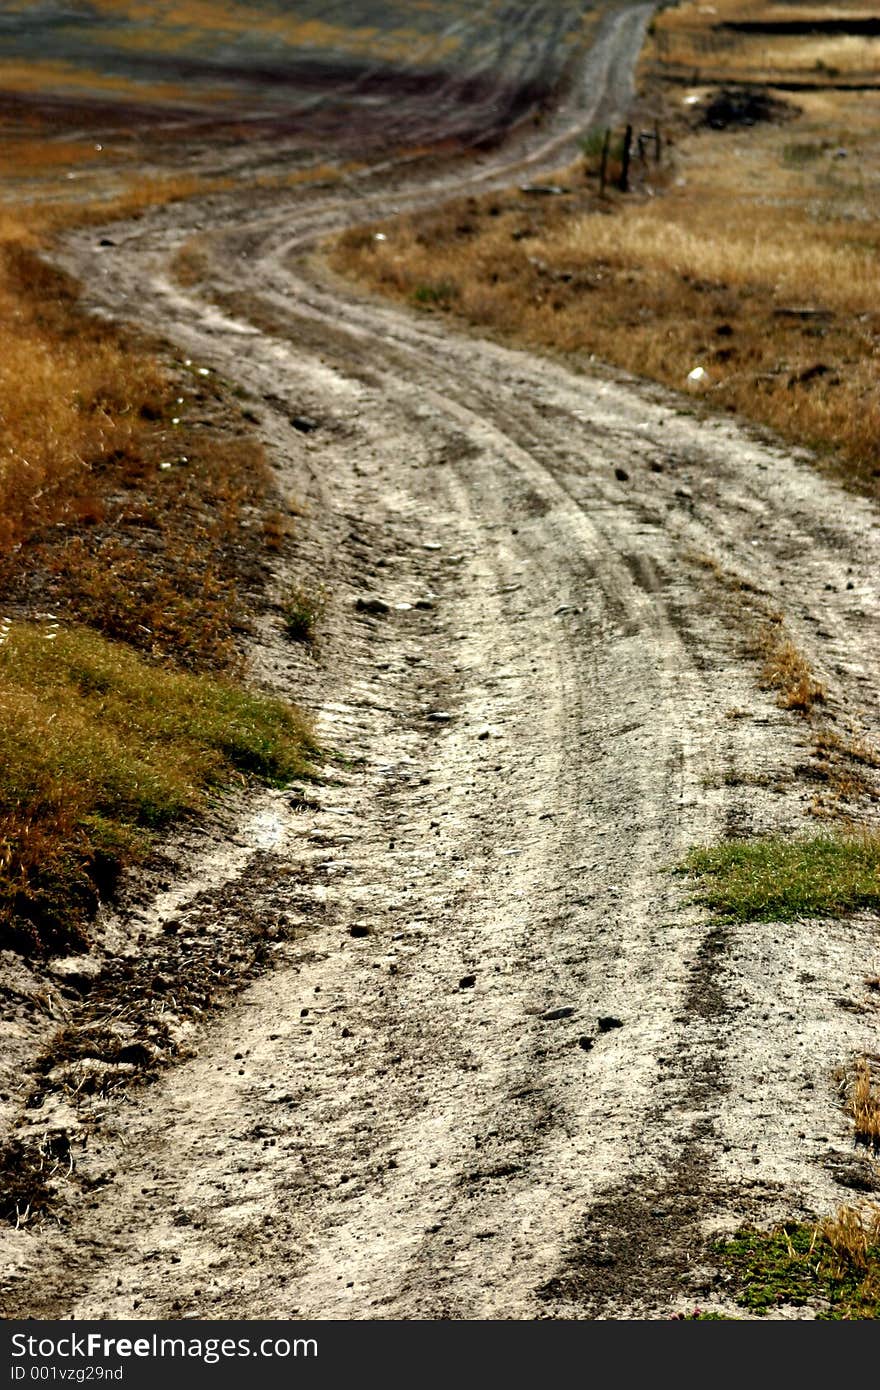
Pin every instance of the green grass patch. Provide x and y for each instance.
(441, 293)
(100, 746)
(777, 880)
(808, 1266)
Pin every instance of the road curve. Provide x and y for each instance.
(535, 1080)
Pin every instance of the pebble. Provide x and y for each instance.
(564, 1011)
(608, 1022)
(372, 605)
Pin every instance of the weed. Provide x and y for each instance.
(782, 880)
(786, 670)
(301, 612)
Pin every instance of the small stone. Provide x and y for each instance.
(372, 605)
(564, 1011)
(608, 1022)
(359, 929)
(621, 475)
(304, 423)
(585, 1043)
(440, 716)
(467, 982)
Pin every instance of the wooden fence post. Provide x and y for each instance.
(603, 162)
(624, 161)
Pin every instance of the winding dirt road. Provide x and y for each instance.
(534, 1079)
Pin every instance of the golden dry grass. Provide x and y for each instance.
(785, 669)
(69, 396)
(862, 1099)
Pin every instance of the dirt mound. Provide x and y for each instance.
(742, 106)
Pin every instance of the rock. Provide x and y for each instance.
(621, 475)
(359, 929)
(304, 423)
(608, 1022)
(76, 970)
(105, 241)
(372, 605)
(585, 1043)
(467, 982)
(440, 716)
(564, 1011)
(425, 604)
(542, 190)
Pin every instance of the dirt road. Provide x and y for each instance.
(506, 1069)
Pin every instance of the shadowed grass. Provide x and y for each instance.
(777, 880)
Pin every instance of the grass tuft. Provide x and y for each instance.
(779, 880)
(861, 1087)
(301, 612)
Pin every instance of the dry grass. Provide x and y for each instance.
(861, 1090)
(690, 42)
(853, 1234)
(786, 670)
(750, 252)
(133, 501)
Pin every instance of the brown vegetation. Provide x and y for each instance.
(135, 502)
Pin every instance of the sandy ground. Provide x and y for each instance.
(504, 1068)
